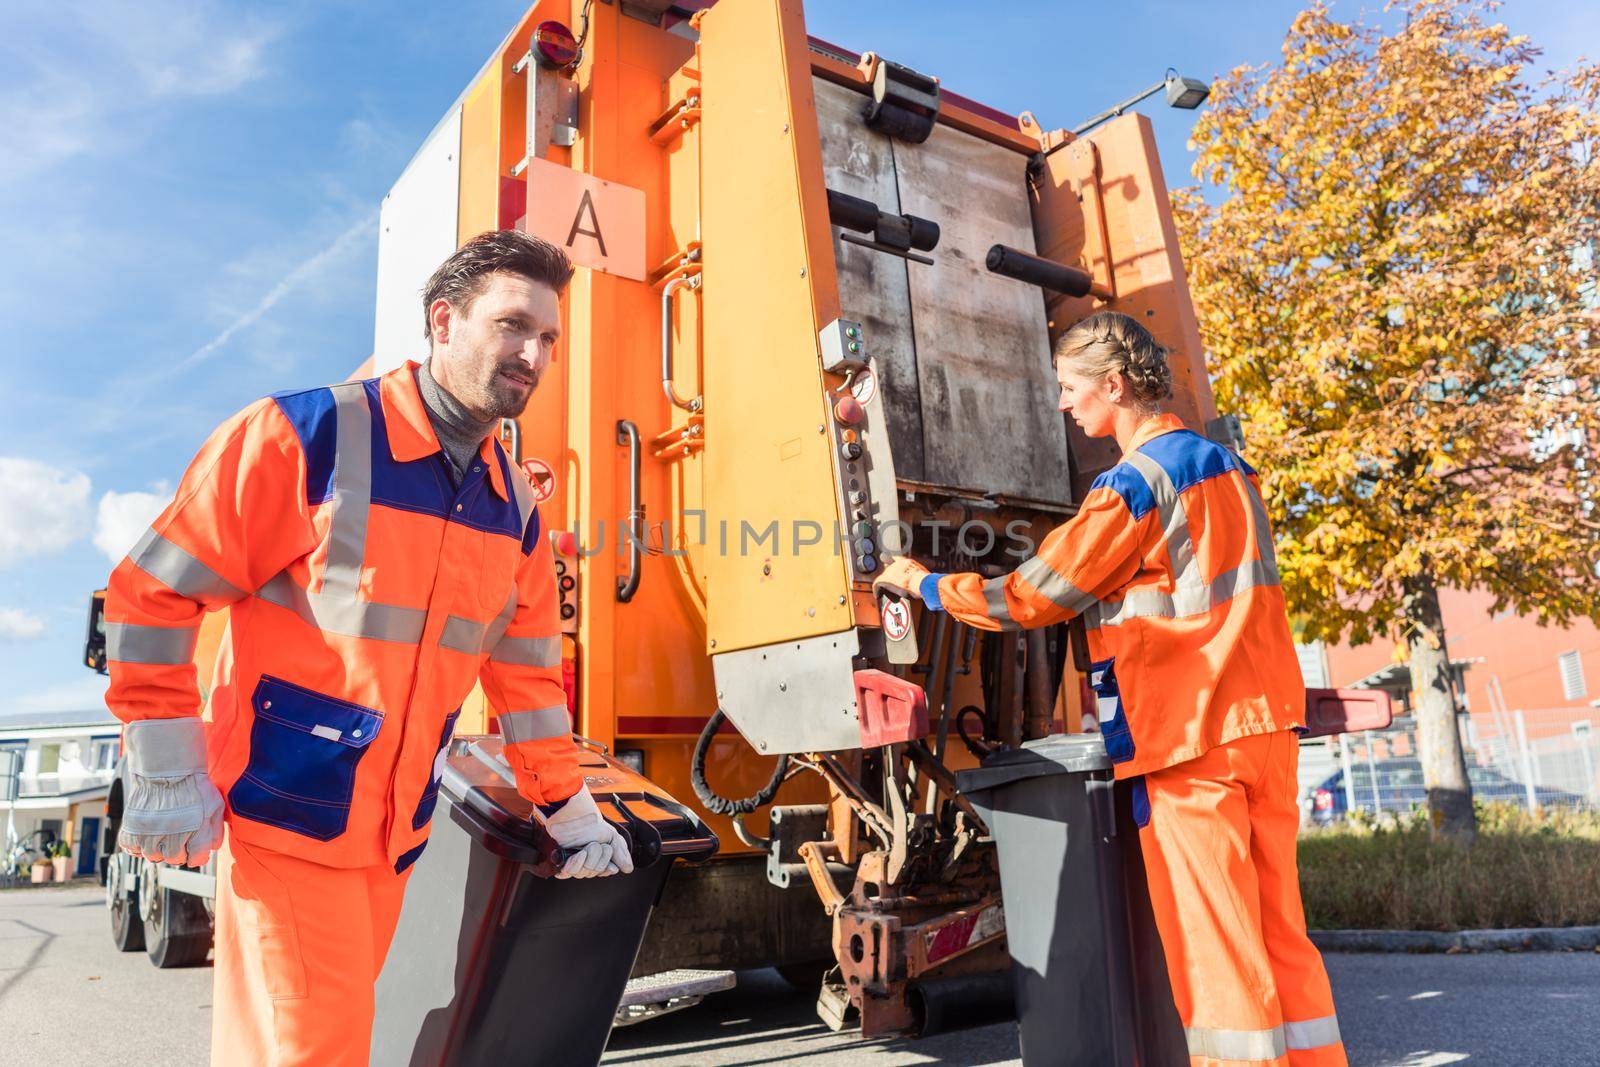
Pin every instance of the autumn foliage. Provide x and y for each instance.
(1394, 266)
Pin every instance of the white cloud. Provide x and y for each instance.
(19, 625)
(122, 519)
(85, 694)
(93, 74)
(42, 508)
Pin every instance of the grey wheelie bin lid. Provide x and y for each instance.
(1090, 983)
(496, 961)
(1056, 754)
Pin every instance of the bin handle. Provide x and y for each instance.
(643, 838)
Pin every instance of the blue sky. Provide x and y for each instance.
(188, 195)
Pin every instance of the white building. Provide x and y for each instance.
(68, 760)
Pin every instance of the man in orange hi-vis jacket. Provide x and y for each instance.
(379, 555)
(1170, 562)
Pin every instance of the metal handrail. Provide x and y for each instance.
(693, 282)
(513, 429)
(628, 434)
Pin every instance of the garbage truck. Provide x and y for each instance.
(810, 330)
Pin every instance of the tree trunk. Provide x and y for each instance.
(1444, 767)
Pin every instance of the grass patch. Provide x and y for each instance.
(1523, 871)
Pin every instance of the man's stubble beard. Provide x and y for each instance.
(504, 402)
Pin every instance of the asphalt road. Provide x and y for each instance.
(67, 997)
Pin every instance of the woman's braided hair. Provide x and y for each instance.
(1111, 341)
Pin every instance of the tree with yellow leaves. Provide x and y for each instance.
(1395, 272)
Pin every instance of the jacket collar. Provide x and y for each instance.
(411, 435)
(1154, 427)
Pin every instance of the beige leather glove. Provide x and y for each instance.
(903, 576)
(173, 813)
(576, 824)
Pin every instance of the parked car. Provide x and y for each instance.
(1400, 789)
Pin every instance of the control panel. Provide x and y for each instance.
(868, 504)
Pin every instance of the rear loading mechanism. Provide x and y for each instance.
(845, 357)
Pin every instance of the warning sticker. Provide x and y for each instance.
(543, 478)
(967, 932)
(864, 386)
(896, 620)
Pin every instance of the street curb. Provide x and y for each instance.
(1524, 939)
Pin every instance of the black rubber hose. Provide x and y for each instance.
(979, 747)
(716, 803)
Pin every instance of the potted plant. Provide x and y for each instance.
(61, 860)
(39, 873)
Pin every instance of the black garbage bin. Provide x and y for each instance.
(496, 961)
(1090, 980)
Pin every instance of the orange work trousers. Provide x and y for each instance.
(1218, 837)
(298, 951)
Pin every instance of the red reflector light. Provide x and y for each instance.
(554, 44)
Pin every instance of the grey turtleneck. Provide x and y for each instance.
(459, 431)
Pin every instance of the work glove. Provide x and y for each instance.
(902, 576)
(173, 813)
(598, 848)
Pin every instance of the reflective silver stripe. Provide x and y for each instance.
(352, 490)
(497, 627)
(182, 573)
(128, 642)
(344, 615)
(528, 651)
(1054, 588)
(1235, 1044)
(994, 603)
(472, 637)
(536, 725)
(1192, 596)
(1258, 515)
(1184, 603)
(1174, 521)
(522, 492)
(1312, 1033)
(463, 635)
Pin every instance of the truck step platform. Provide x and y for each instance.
(653, 995)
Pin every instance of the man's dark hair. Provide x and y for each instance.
(461, 278)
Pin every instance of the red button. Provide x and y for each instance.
(565, 542)
(848, 410)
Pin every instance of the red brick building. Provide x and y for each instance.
(1537, 667)
(1531, 692)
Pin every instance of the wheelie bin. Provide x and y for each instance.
(1086, 964)
(495, 960)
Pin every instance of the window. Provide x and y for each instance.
(105, 756)
(11, 754)
(1572, 684)
(49, 759)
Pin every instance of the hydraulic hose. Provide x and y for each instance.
(715, 802)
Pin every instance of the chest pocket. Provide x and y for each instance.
(304, 750)
(497, 576)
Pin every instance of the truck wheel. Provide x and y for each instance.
(178, 931)
(127, 929)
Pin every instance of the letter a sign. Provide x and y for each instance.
(600, 224)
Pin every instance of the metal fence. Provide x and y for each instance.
(1538, 759)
